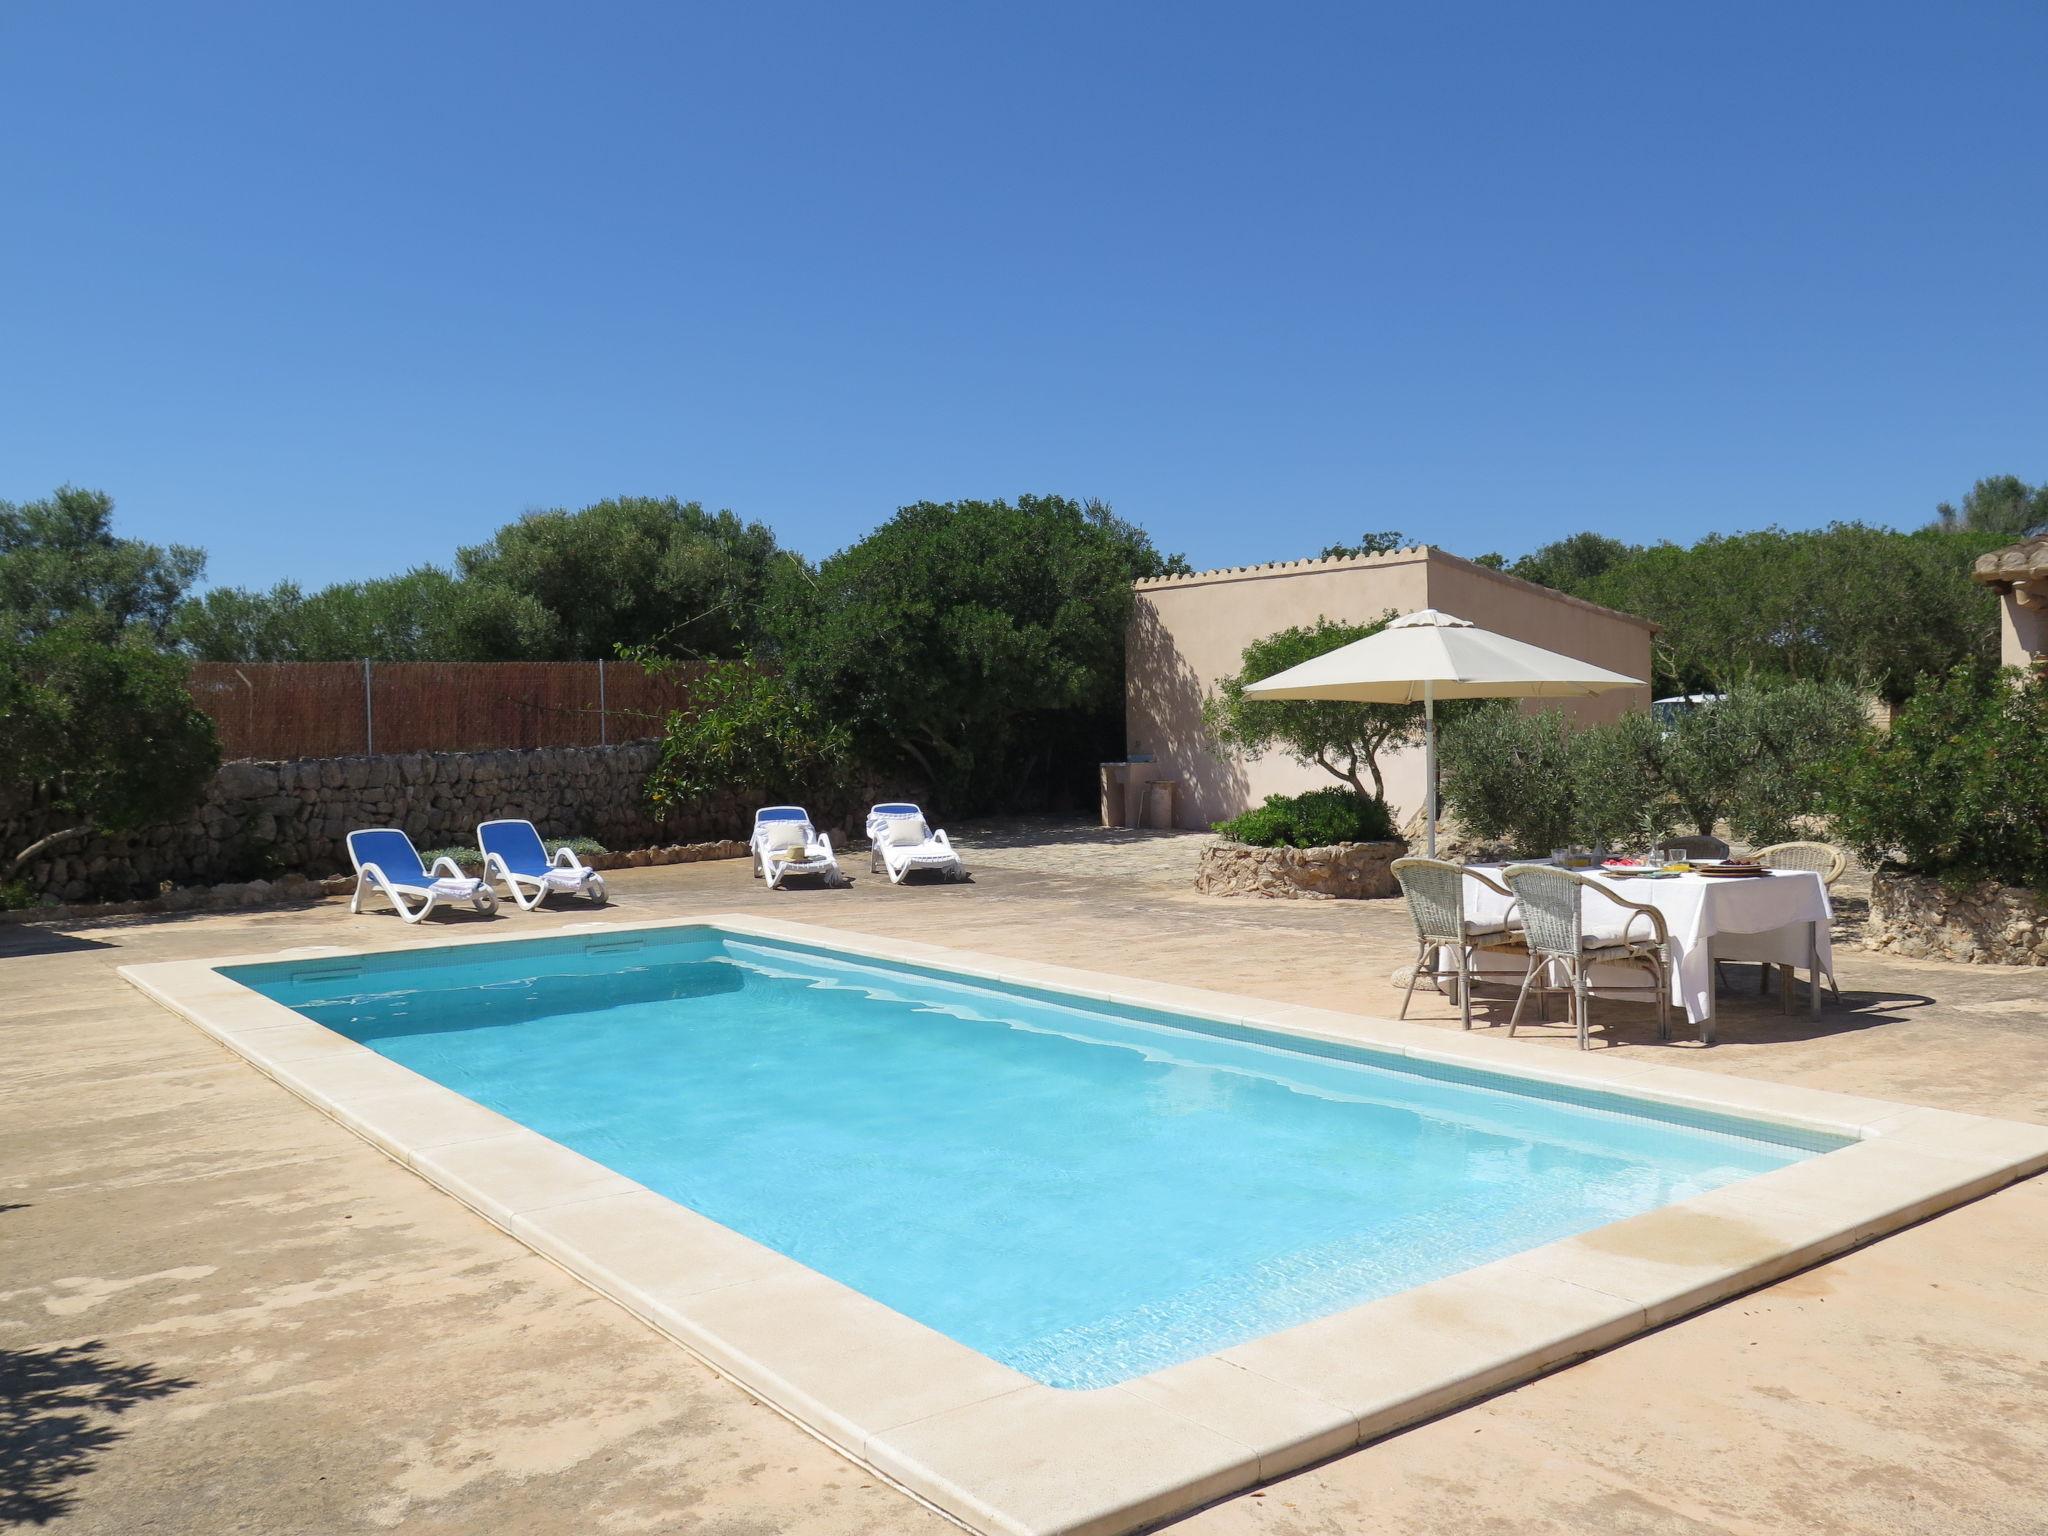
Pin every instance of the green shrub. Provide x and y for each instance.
(746, 730)
(1509, 777)
(102, 736)
(1959, 786)
(1760, 759)
(1312, 820)
(471, 862)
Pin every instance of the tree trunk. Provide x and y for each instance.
(21, 859)
(1349, 776)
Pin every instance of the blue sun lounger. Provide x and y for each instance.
(514, 854)
(386, 860)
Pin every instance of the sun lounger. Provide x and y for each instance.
(785, 843)
(515, 856)
(386, 860)
(901, 840)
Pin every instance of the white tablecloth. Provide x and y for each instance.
(1709, 918)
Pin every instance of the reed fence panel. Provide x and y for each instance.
(269, 710)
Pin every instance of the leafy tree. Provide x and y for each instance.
(427, 614)
(1509, 776)
(1758, 759)
(1344, 740)
(1620, 794)
(237, 624)
(979, 643)
(1958, 787)
(2004, 505)
(745, 730)
(554, 586)
(61, 561)
(1383, 542)
(632, 571)
(1761, 760)
(1848, 603)
(1573, 564)
(102, 735)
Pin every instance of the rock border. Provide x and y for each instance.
(1337, 872)
(1922, 917)
(287, 890)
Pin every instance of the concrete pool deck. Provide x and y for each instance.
(283, 1367)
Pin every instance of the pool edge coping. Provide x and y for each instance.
(999, 1452)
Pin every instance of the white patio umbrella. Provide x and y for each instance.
(1426, 656)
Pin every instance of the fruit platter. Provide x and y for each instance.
(1623, 867)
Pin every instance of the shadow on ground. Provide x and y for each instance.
(54, 1408)
(23, 940)
(1740, 1014)
(1057, 832)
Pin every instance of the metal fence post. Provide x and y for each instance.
(369, 715)
(604, 738)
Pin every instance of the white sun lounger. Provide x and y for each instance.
(900, 840)
(386, 860)
(514, 855)
(785, 843)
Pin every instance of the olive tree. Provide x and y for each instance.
(1344, 740)
(1759, 760)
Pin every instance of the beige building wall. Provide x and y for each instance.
(1189, 631)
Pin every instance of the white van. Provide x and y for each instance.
(1666, 712)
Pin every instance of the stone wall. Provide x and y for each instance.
(1981, 924)
(1342, 871)
(265, 819)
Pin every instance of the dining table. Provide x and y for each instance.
(1780, 917)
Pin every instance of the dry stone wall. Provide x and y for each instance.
(1342, 871)
(264, 819)
(1982, 924)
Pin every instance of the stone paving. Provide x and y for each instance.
(221, 1312)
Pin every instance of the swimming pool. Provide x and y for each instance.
(1164, 1068)
(1084, 1192)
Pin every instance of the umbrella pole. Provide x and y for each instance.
(1429, 760)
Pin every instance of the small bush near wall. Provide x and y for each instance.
(1958, 788)
(470, 859)
(1318, 819)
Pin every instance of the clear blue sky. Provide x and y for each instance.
(331, 289)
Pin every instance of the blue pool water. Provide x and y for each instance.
(1083, 1192)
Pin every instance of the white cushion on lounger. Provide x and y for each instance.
(785, 834)
(907, 831)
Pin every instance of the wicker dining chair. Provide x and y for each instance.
(1435, 889)
(1825, 860)
(1553, 909)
